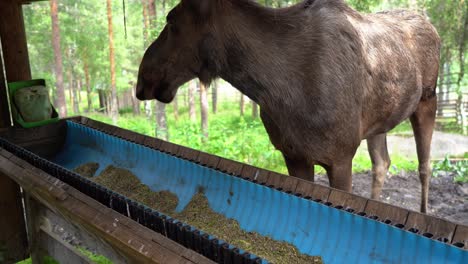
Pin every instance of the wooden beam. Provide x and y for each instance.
(134, 242)
(5, 115)
(14, 66)
(13, 239)
(13, 39)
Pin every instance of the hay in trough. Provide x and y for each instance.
(199, 214)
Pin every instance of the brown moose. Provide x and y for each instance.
(325, 76)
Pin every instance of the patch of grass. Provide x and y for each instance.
(240, 138)
(98, 259)
(402, 163)
(459, 168)
(45, 260)
(402, 128)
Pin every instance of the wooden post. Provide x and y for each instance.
(5, 117)
(13, 239)
(13, 36)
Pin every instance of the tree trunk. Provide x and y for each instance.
(161, 128)
(461, 62)
(160, 113)
(163, 7)
(102, 101)
(175, 104)
(152, 13)
(254, 110)
(61, 102)
(135, 102)
(76, 91)
(242, 104)
(70, 83)
(214, 97)
(145, 22)
(191, 100)
(113, 104)
(204, 111)
(88, 87)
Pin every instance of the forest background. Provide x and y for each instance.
(89, 52)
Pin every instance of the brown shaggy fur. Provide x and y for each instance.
(324, 75)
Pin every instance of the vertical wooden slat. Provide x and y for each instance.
(16, 65)
(347, 200)
(461, 235)
(32, 221)
(14, 46)
(428, 224)
(312, 190)
(13, 240)
(5, 119)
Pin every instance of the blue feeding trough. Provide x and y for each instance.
(314, 228)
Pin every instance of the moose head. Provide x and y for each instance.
(180, 53)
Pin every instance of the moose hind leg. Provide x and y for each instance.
(422, 121)
(377, 147)
(300, 169)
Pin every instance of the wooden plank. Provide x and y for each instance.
(290, 184)
(188, 153)
(347, 200)
(125, 237)
(21, 136)
(13, 36)
(283, 182)
(429, 224)
(13, 238)
(254, 174)
(387, 212)
(275, 180)
(61, 251)
(208, 160)
(230, 167)
(152, 142)
(49, 218)
(129, 135)
(106, 128)
(461, 235)
(5, 114)
(168, 147)
(32, 222)
(45, 147)
(312, 190)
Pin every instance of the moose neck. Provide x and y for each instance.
(254, 52)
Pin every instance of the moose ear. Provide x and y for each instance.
(201, 7)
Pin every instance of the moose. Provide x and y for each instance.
(324, 75)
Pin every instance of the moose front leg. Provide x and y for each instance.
(340, 174)
(300, 169)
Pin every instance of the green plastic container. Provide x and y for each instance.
(17, 118)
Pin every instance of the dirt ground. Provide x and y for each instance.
(447, 199)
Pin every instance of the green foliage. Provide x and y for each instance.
(243, 139)
(403, 128)
(45, 260)
(98, 259)
(83, 26)
(459, 168)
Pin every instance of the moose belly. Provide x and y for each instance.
(385, 117)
